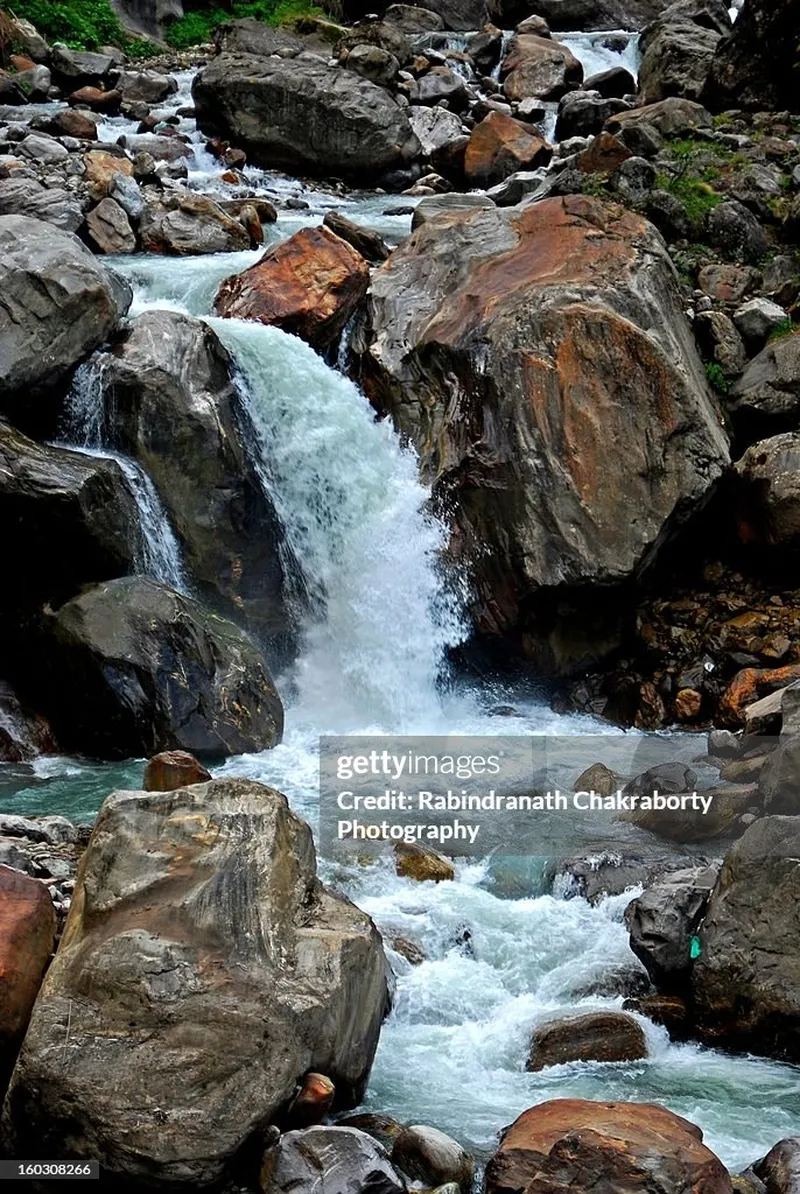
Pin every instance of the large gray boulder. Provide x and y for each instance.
(22, 196)
(663, 920)
(746, 982)
(155, 671)
(677, 53)
(204, 970)
(757, 66)
(57, 303)
(150, 17)
(302, 114)
(766, 398)
(176, 410)
(518, 348)
(329, 1160)
(769, 492)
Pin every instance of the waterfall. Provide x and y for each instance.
(84, 430)
(355, 519)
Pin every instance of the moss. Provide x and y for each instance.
(785, 328)
(696, 194)
(717, 378)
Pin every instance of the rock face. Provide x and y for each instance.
(167, 387)
(57, 303)
(756, 66)
(577, 1144)
(203, 971)
(156, 672)
(331, 1160)
(309, 285)
(746, 982)
(27, 937)
(301, 114)
(499, 146)
(597, 1036)
(515, 347)
(599, 14)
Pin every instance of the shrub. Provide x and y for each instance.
(198, 26)
(81, 24)
(717, 378)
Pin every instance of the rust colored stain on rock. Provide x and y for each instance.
(27, 934)
(499, 146)
(310, 285)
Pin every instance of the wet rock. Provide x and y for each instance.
(500, 146)
(663, 920)
(38, 147)
(382, 1128)
(177, 412)
(109, 228)
(736, 232)
(434, 205)
(587, 1144)
(20, 196)
(23, 734)
(441, 84)
(668, 1010)
(766, 399)
(309, 285)
(596, 1036)
(427, 1155)
(102, 169)
(173, 769)
(745, 984)
(302, 114)
(412, 861)
(611, 84)
(172, 150)
(96, 100)
(369, 244)
(435, 128)
(539, 67)
(11, 94)
(449, 313)
(71, 123)
(333, 1160)
(374, 63)
(582, 114)
(290, 976)
(724, 744)
(157, 672)
(413, 953)
(312, 1102)
(185, 224)
(597, 778)
(61, 301)
(756, 67)
(780, 1169)
(27, 937)
(600, 873)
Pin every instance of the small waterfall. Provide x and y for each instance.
(355, 518)
(84, 430)
(508, 36)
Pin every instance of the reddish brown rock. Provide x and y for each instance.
(499, 146)
(412, 861)
(581, 1145)
(309, 285)
(688, 704)
(312, 1102)
(537, 67)
(604, 154)
(27, 935)
(102, 168)
(71, 123)
(107, 102)
(596, 1036)
(748, 685)
(173, 769)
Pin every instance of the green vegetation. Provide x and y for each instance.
(197, 27)
(81, 24)
(717, 378)
(786, 327)
(696, 195)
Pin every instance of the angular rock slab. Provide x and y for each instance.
(202, 972)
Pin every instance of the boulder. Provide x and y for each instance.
(676, 59)
(374, 63)
(460, 15)
(441, 84)
(309, 285)
(58, 300)
(514, 347)
(27, 937)
(11, 94)
(779, 782)
(746, 982)
(595, 1036)
(539, 67)
(412, 861)
(583, 113)
(366, 242)
(769, 505)
(146, 86)
(736, 232)
(156, 671)
(582, 1144)
(69, 122)
(26, 36)
(20, 196)
(672, 117)
(429, 1156)
(410, 19)
(780, 1169)
(312, 1102)
(756, 66)
(23, 734)
(434, 205)
(756, 319)
(204, 970)
(68, 520)
(330, 1160)
(97, 100)
(613, 83)
(102, 169)
(42, 149)
(185, 224)
(109, 228)
(766, 399)
(161, 149)
(500, 146)
(302, 114)
(435, 127)
(81, 68)
(173, 769)
(720, 342)
(178, 413)
(664, 919)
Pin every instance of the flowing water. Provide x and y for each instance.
(372, 659)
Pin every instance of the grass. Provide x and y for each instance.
(81, 25)
(717, 378)
(786, 327)
(696, 194)
(197, 27)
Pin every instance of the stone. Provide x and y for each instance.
(96, 100)
(517, 186)
(766, 399)
(366, 242)
(413, 953)
(101, 170)
(126, 191)
(374, 63)
(187, 224)
(20, 196)
(755, 320)
(81, 68)
(429, 1156)
(723, 744)
(109, 228)
(664, 919)
(671, 117)
(534, 24)
(27, 938)
(309, 285)
(460, 15)
(595, 1036)
(500, 146)
(61, 304)
(613, 83)
(471, 288)
(173, 769)
(668, 214)
(736, 232)
(756, 67)
(604, 155)
(587, 1144)
(583, 113)
(11, 94)
(157, 671)
(333, 1160)
(779, 782)
(38, 147)
(23, 734)
(412, 861)
(205, 971)
(539, 67)
(172, 150)
(435, 205)
(633, 180)
(312, 1103)
(769, 502)
(147, 86)
(676, 59)
(71, 123)
(746, 981)
(435, 128)
(720, 342)
(177, 411)
(303, 115)
(779, 1170)
(726, 283)
(441, 84)
(24, 34)
(409, 19)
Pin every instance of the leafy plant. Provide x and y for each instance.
(717, 378)
(81, 25)
(197, 27)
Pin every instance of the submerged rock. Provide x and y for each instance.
(203, 971)
(595, 1036)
